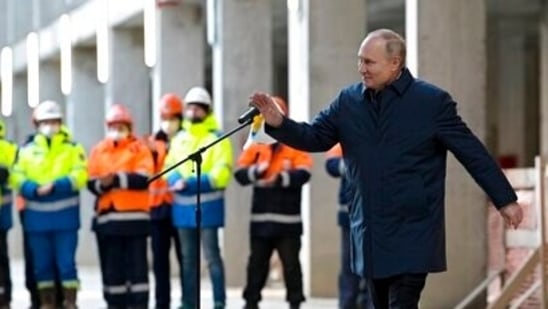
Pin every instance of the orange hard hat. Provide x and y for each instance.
(118, 113)
(282, 104)
(171, 105)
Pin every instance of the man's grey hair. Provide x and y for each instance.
(394, 43)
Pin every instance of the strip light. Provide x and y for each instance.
(33, 69)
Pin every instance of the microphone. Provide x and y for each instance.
(248, 115)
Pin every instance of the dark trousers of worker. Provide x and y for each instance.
(162, 235)
(352, 289)
(258, 266)
(5, 276)
(397, 292)
(125, 276)
(100, 238)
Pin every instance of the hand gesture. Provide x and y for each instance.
(264, 103)
(107, 180)
(178, 186)
(268, 182)
(261, 168)
(44, 189)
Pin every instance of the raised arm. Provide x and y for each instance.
(318, 136)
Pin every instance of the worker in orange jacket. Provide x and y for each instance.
(119, 167)
(161, 199)
(277, 173)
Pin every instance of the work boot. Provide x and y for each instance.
(294, 305)
(4, 304)
(70, 298)
(47, 298)
(251, 306)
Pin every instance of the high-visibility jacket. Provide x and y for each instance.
(122, 207)
(8, 154)
(159, 196)
(216, 174)
(58, 160)
(336, 168)
(275, 209)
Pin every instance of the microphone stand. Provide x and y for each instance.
(197, 158)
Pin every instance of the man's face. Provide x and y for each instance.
(49, 127)
(376, 67)
(195, 113)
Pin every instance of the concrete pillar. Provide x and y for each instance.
(242, 63)
(314, 80)
(129, 81)
(543, 43)
(511, 91)
(22, 113)
(180, 62)
(458, 28)
(50, 82)
(85, 118)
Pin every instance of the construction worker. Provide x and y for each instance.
(49, 173)
(30, 280)
(199, 129)
(162, 229)
(352, 290)
(119, 167)
(277, 173)
(8, 154)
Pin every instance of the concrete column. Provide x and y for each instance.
(511, 91)
(314, 80)
(447, 42)
(50, 82)
(242, 63)
(85, 109)
(543, 43)
(129, 81)
(85, 118)
(22, 113)
(180, 61)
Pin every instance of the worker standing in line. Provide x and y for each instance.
(163, 233)
(119, 167)
(49, 174)
(8, 154)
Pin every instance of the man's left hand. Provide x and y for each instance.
(268, 182)
(512, 214)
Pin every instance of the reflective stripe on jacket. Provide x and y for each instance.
(276, 208)
(57, 160)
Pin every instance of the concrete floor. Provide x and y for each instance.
(90, 296)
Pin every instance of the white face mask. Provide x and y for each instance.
(116, 135)
(170, 126)
(49, 129)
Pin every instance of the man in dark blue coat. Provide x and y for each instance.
(395, 132)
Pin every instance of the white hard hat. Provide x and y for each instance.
(47, 110)
(198, 95)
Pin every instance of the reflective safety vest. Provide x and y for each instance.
(123, 207)
(216, 174)
(8, 154)
(57, 160)
(276, 207)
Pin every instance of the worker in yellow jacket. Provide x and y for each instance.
(49, 174)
